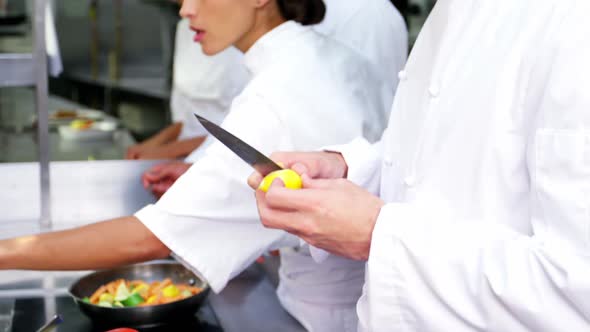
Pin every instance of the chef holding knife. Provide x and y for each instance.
(473, 209)
(306, 91)
(360, 25)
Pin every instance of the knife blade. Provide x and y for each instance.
(261, 163)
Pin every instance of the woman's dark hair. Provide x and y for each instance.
(306, 12)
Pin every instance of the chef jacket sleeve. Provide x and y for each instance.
(364, 161)
(208, 218)
(428, 271)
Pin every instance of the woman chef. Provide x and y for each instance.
(306, 91)
(360, 25)
(475, 212)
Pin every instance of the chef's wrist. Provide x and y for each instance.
(377, 206)
(339, 162)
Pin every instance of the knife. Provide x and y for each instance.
(261, 163)
(51, 325)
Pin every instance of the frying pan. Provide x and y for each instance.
(140, 316)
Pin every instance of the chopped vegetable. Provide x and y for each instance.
(105, 304)
(106, 297)
(170, 291)
(133, 300)
(142, 289)
(122, 292)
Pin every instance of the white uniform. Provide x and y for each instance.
(306, 91)
(486, 171)
(201, 83)
(374, 29)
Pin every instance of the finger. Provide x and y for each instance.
(254, 180)
(145, 181)
(285, 159)
(279, 197)
(161, 188)
(322, 184)
(154, 176)
(277, 183)
(300, 168)
(278, 219)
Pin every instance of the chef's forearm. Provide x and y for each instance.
(165, 136)
(183, 148)
(102, 245)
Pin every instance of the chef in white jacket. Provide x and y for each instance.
(374, 29)
(475, 212)
(306, 91)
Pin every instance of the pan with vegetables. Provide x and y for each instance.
(140, 295)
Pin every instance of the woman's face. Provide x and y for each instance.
(219, 24)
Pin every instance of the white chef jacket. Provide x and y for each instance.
(485, 168)
(306, 91)
(373, 28)
(202, 83)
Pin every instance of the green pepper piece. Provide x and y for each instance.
(133, 300)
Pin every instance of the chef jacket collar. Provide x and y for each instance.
(266, 49)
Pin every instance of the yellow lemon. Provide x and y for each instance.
(290, 178)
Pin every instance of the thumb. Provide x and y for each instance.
(309, 183)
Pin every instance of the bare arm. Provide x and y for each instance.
(102, 245)
(173, 150)
(166, 135)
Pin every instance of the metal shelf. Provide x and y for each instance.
(31, 70)
(17, 70)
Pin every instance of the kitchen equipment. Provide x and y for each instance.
(148, 316)
(253, 157)
(12, 13)
(51, 325)
(102, 130)
(62, 117)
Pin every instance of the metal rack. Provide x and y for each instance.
(30, 70)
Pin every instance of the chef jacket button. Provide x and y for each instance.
(388, 162)
(434, 91)
(410, 180)
(402, 75)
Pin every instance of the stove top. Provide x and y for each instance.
(29, 315)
